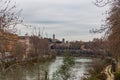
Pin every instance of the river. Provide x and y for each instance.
(30, 72)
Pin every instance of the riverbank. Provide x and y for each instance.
(99, 68)
(7, 64)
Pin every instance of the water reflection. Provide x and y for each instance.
(30, 72)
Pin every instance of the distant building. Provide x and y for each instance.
(7, 43)
(54, 38)
(25, 40)
(63, 40)
(8, 40)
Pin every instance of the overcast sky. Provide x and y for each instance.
(69, 19)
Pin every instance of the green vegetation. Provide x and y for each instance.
(96, 73)
(65, 72)
(117, 75)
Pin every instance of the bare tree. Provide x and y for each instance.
(9, 18)
(18, 51)
(112, 26)
(101, 3)
(39, 47)
(114, 23)
(39, 44)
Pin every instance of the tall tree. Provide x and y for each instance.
(112, 26)
(9, 18)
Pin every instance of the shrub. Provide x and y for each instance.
(117, 76)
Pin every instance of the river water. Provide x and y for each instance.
(30, 72)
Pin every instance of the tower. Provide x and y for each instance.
(53, 37)
(63, 40)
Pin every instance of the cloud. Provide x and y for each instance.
(49, 22)
(63, 17)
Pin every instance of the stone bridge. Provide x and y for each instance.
(76, 52)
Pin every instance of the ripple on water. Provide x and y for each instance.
(80, 68)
